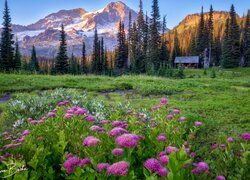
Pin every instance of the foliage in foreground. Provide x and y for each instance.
(99, 141)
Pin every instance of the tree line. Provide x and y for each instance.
(143, 48)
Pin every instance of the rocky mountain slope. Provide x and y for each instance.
(79, 24)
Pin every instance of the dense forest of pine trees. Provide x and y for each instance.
(145, 47)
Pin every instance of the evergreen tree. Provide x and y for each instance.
(246, 41)
(154, 35)
(135, 50)
(122, 50)
(33, 64)
(102, 56)
(105, 62)
(17, 57)
(164, 50)
(96, 53)
(210, 34)
(129, 40)
(73, 65)
(145, 45)
(176, 50)
(201, 39)
(140, 35)
(24, 65)
(6, 46)
(233, 57)
(193, 48)
(217, 50)
(84, 60)
(225, 46)
(61, 64)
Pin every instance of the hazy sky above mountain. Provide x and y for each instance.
(29, 11)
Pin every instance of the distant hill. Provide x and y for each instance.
(187, 28)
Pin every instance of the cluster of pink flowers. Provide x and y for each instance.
(117, 131)
(171, 149)
(127, 140)
(200, 168)
(51, 114)
(182, 119)
(63, 103)
(17, 141)
(245, 136)
(198, 123)
(74, 111)
(117, 152)
(91, 141)
(90, 118)
(154, 165)
(162, 137)
(72, 162)
(117, 123)
(40, 121)
(170, 116)
(176, 111)
(163, 102)
(220, 178)
(118, 169)
(97, 128)
(102, 167)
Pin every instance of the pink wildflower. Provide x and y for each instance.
(90, 118)
(176, 111)
(164, 101)
(182, 119)
(84, 162)
(152, 165)
(91, 141)
(127, 140)
(116, 123)
(163, 172)
(70, 163)
(26, 132)
(164, 160)
(220, 178)
(51, 114)
(102, 166)
(117, 152)
(94, 128)
(171, 149)
(170, 116)
(117, 131)
(245, 136)
(118, 169)
(198, 123)
(230, 140)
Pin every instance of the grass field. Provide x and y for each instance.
(223, 103)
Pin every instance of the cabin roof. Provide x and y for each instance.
(186, 60)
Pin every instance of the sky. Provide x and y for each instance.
(25, 12)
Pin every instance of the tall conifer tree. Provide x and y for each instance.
(210, 34)
(154, 35)
(17, 57)
(33, 64)
(95, 53)
(121, 58)
(201, 42)
(61, 64)
(84, 66)
(246, 41)
(6, 45)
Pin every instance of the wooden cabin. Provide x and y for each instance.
(187, 61)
